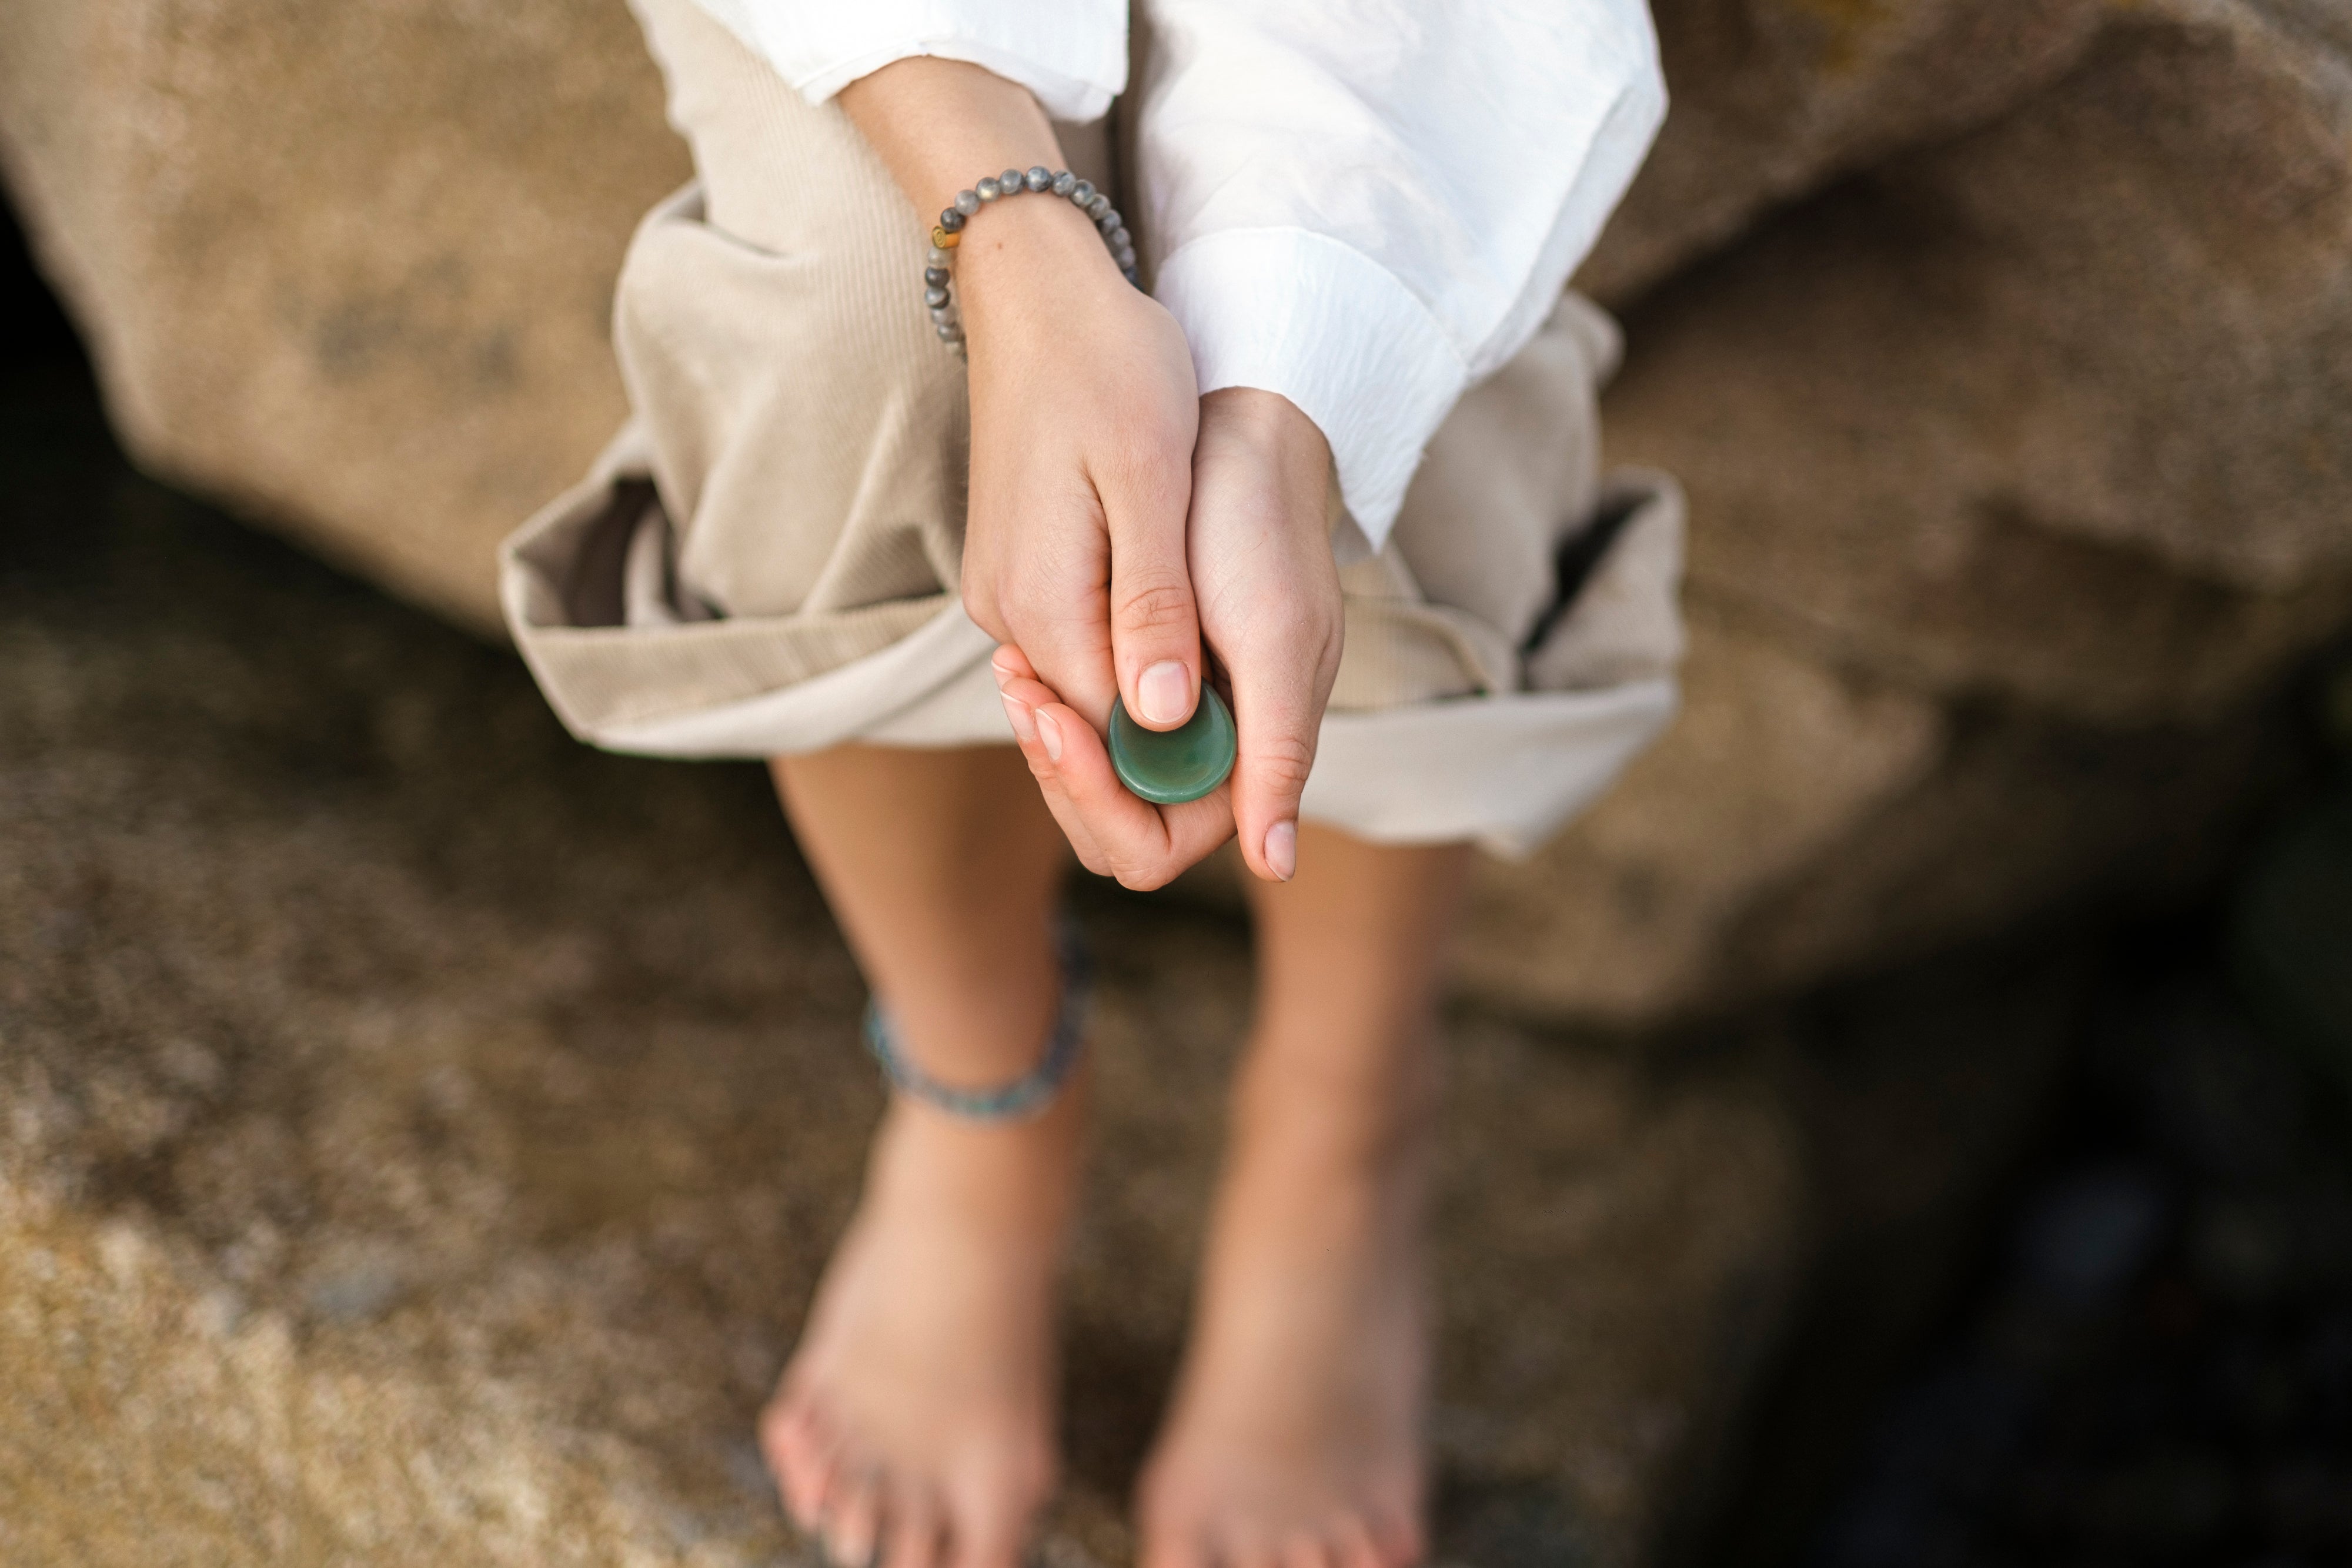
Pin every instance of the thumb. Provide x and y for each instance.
(1278, 710)
(1155, 623)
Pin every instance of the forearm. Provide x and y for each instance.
(940, 125)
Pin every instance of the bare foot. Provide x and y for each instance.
(914, 1426)
(1295, 1438)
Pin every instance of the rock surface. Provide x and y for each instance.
(2021, 469)
(2002, 347)
(385, 1177)
(1774, 99)
(421, 1133)
(348, 266)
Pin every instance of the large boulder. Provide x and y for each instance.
(348, 267)
(1774, 99)
(2032, 452)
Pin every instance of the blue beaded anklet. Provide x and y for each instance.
(938, 266)
(1025, 1096)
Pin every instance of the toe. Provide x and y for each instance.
(1352, 1545)
(799, 1453)
(1306, 1549)
(1400, 1539)
(1247, 1549)
(853, 1517)
(987, 1537)
(1172, 1548)
(910, 1534)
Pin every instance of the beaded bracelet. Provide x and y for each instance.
(1024, 1096)
(938, 267)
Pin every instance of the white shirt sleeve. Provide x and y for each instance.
(1366, 206)
(1071, 53)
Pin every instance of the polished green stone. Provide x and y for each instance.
(1169, 767)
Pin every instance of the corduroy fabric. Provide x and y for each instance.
(764, 559)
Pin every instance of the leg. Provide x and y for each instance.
(916, 1417)
(1294, 1440)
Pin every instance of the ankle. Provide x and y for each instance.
(1023, 1170)
(1375, 1118)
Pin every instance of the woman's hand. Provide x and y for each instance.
(1083, 423)
(1260, 549)
(1083, 406)
(1260, 561)
(1114, 513)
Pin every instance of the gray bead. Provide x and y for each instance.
(987, 191)
(1065, 182)
(1082, 192)
(947, 334)
(1038, 178)
(935, 298)
(1118, 238)
(946, 316)
(952, 219)
(938, 257)
(1125, 257)
(1098, 205)
(937, 277)
(967, 202)
(1009, 181)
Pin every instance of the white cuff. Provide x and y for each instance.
(1072, 54)
(1300, 313)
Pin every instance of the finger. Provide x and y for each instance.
(1051, 737)
(1009, 665)
(1056, 604)
(1155, 623)
(1141, 845)
(1278, 712)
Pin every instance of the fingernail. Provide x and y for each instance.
(1165, 691)
(1017, 712)
(1051, 734)
(1282, 850)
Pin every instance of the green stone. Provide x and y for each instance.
(1169, 766)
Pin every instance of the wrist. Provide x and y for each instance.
(939, 124)
(1278, 439)
(1031, 248)
(1273, 430)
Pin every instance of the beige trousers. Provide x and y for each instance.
(764, 561)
